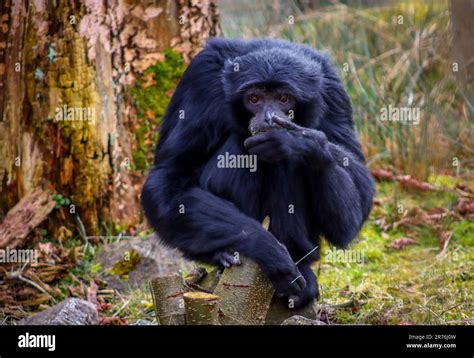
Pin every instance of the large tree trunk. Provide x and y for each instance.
(58, 56)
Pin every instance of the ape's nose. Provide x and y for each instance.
(269, 116)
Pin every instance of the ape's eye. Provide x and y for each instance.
(253, 98)
(284, 97)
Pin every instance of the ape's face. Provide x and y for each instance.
(265, 104)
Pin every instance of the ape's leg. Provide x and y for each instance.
(207, 228)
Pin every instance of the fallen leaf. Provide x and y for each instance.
(382, 175)
(113, 321)
(407, 182)
(465, 206)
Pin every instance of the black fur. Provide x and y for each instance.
(224, 208)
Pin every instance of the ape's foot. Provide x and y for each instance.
(307, 297)
(287, 283)
(308, 294)
(226, 259)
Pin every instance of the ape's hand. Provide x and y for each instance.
(290, 143)
(287, 281)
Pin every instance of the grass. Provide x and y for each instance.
(412, 285)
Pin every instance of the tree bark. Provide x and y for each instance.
(167, 293)
(59, 57)
(244, 294)
(30, 211)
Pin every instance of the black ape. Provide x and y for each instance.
(311, 178)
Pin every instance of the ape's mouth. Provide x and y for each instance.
(255, 131)
(262, 129)
(259, 128)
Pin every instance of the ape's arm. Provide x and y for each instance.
(342, 188)
(342, 192)
(345, 185)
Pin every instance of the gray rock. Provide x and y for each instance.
(71, 311)
(278, 312)
(143, 322)
(155, 260)
(302, 321)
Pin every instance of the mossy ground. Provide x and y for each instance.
(414, 284)
(379, 284)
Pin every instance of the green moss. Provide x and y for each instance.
(414, 284)
(151, 102)
(125, 265)
(443, 181)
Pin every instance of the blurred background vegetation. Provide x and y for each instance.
(382, 62)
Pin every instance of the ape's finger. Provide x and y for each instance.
(285, 123)
(230, 258)
(257, 139)
(268, 152)
(224, 262)
(300, 282)
(261, 148)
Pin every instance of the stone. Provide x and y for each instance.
(70, 312)
(155, 259)
(302, 321)
(278, 312)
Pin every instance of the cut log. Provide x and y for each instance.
(27, 214)
(244, 294)
(167, 293)
(201, 308)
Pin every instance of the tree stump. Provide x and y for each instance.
(244, 294)
(167, 293)
(201, 308)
